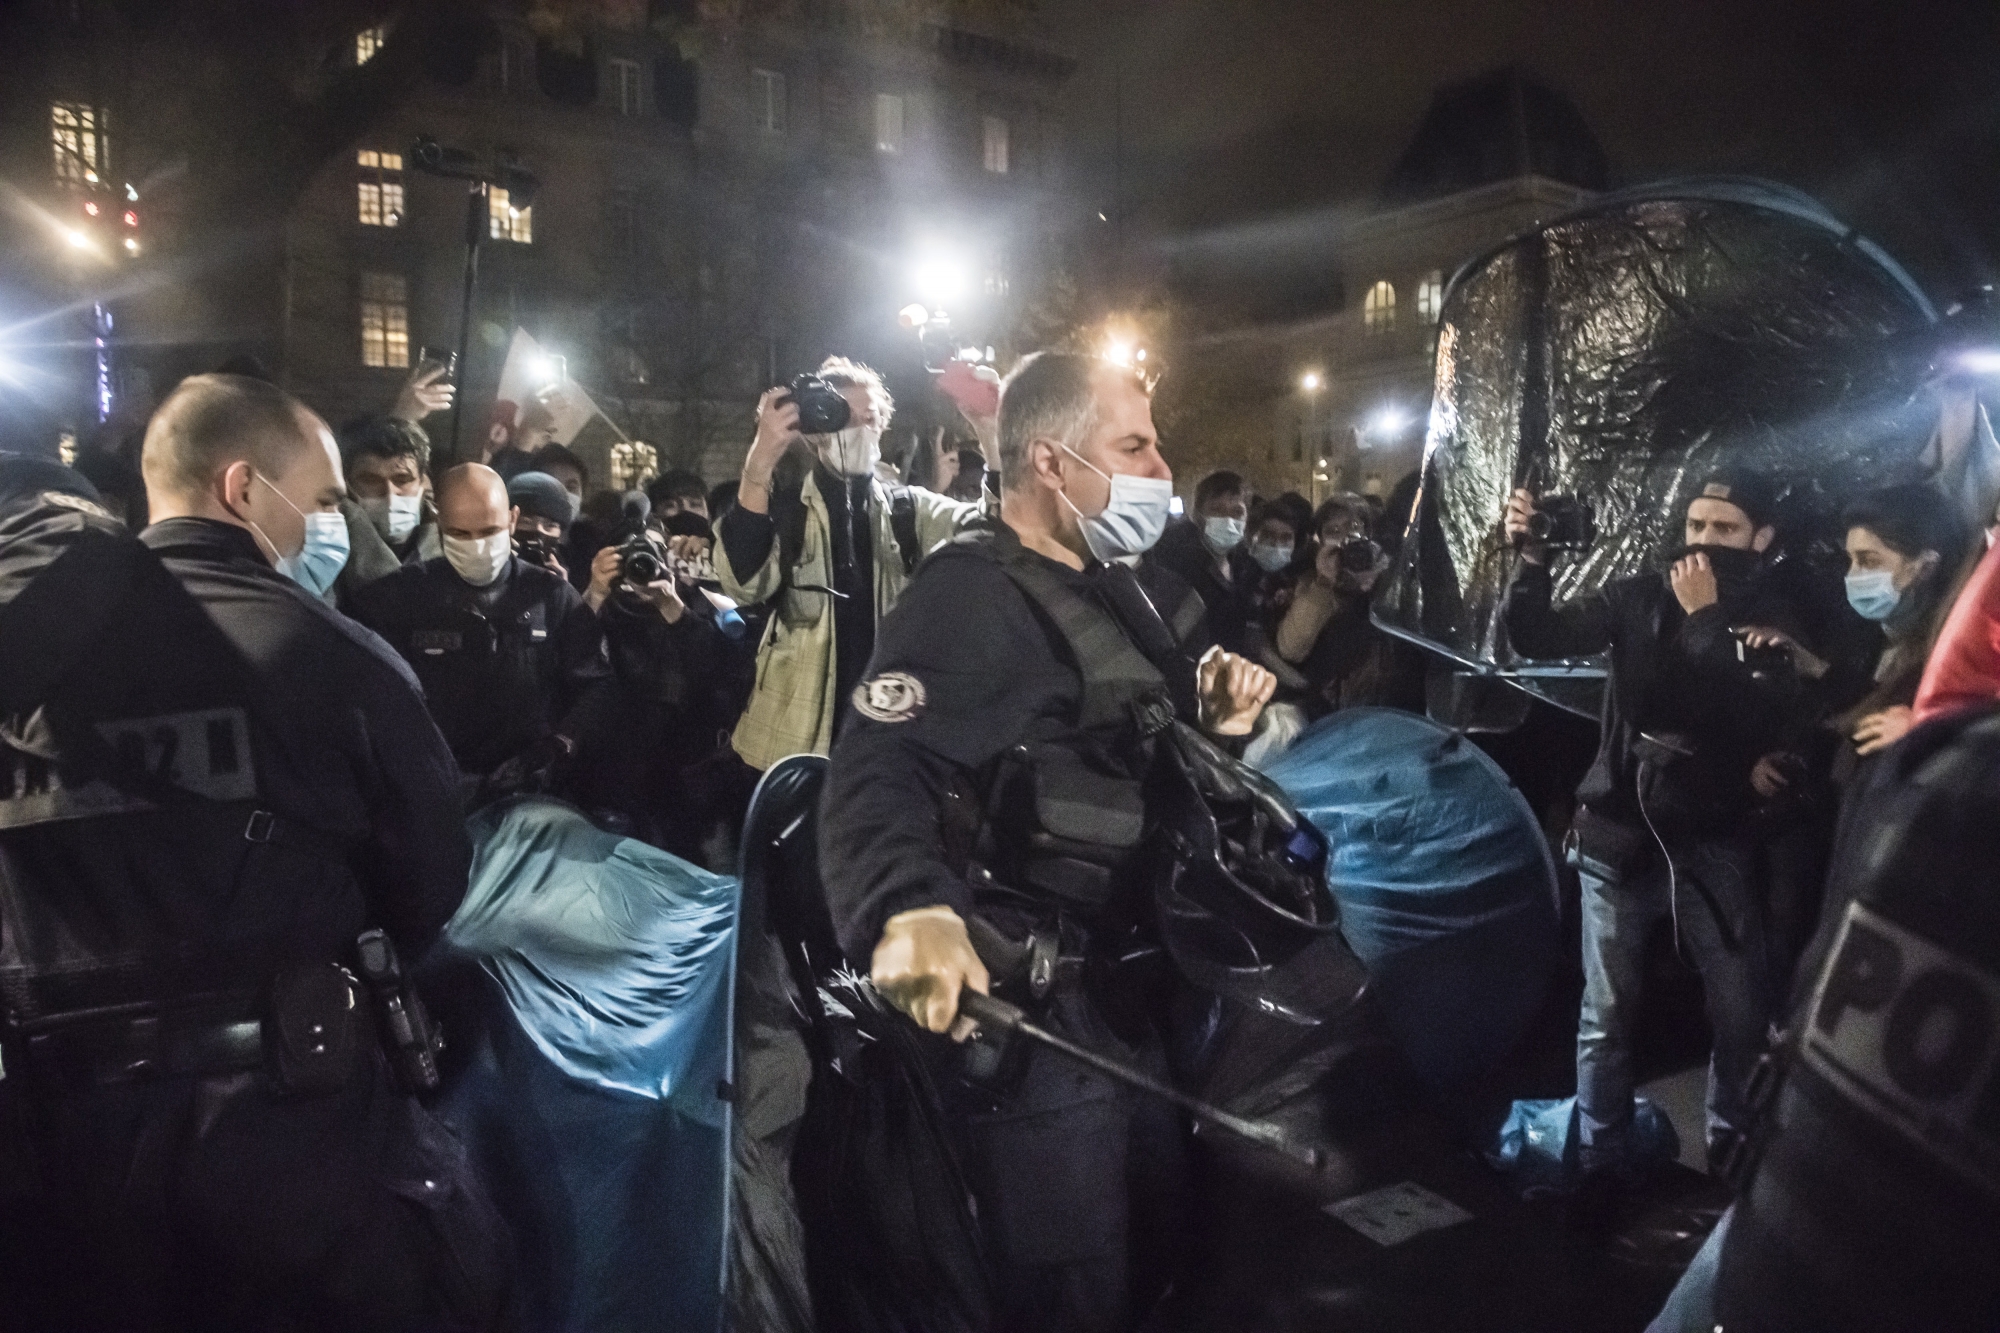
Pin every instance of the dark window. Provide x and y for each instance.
(677, 90)
(567, 77)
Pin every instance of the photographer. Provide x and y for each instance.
(1326, 635)
(1659, 836)
(827, 545)
(671, 700)
(544, 511)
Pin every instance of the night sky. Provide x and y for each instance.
(1888, 111)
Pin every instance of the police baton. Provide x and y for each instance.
(997, 1014)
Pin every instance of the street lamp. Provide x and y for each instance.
(1312, 382)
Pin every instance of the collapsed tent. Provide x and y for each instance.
(1446, 887)
(1622, 352)
(590, 1069)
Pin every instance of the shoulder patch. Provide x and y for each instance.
(893, 696)
(64, 500)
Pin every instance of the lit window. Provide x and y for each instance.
(625, 83)
(1430, 296)
(1378, 308)
(385, 320)
(82, 149)
(509, 223)
(633, 464)
(381, 188)
(369, 41)
(996, 145)
(888, 123)
(767, 105)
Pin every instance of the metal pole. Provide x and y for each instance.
(990, 1012)
(476, 214)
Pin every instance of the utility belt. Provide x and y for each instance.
(309, 1035)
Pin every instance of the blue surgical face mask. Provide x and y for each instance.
(1270, 558)
(1873, 594)
(1133, 519)
(319, 561)
(1222, 535)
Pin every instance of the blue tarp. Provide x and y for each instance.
(1446, 886)
(594, 1099)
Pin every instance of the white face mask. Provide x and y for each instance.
(1223, 535)
(479, 560)
(852, 452)
(1131, 521)
(395, 516)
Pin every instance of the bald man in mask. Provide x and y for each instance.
(508, 653)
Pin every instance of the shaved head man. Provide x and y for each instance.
(244, 452)
(242, 783)
(504, 647)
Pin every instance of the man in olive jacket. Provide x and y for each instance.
(830, 548)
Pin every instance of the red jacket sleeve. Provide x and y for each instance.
(1964, 667)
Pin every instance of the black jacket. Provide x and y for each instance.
(1230, 605)
(503, 666)
(271, 785)
(1672, 674)
(990, 672)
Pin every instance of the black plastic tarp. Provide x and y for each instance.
(1621, 353)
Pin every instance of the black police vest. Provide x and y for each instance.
(126, 736)
(1874, 1200)
(1067, 811)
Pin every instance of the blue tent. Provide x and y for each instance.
(595, 1097)
(1446, 887)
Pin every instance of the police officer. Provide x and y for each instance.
(199, 812)
(1020, 674)
(1869, 1182)
(506, 650)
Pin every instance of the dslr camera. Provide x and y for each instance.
(645, 560)
(1563, 523)
(1359, 554)
(536, 550)
(822, 409)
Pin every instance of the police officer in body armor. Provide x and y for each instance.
(508, 653)
(1020, 664)
(200, 811)
(1869, 1181)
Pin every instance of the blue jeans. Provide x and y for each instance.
(1618, 916)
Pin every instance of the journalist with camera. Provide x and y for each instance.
(508, 653)
(816, 535)
(671, 641)
(1687, 734)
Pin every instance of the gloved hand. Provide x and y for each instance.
(922, 961)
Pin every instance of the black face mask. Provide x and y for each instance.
(1733, 567)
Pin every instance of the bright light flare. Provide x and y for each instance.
(1310, 381)
(939, 279)
(1119, 353)
(131, 245)
(1981, 361)
(1389, 421)
(77, 239)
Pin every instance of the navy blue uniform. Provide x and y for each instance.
(501, 666)
(226, 781)
(1080, 1183)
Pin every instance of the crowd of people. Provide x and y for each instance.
(412, 637)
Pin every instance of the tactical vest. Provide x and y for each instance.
(1872, 1198)
(1135, 810)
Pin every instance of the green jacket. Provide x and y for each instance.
(792, 707)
